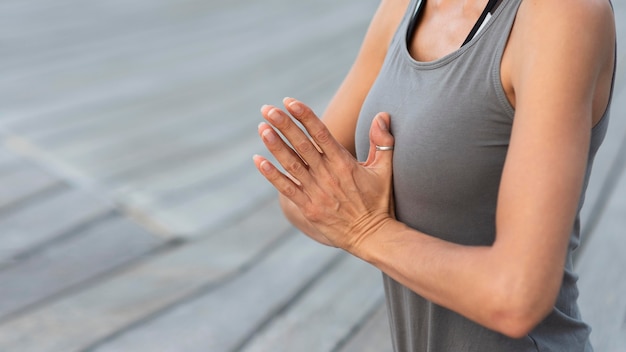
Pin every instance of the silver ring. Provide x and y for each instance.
(383, 148)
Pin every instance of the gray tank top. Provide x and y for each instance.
(452, 123)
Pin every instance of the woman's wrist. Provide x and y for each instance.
(371, 245)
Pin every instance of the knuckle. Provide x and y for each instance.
(335, 180)
(304, 147)
(285, 126)
(311, 213)
(289, 191)
(322, 136)
(295, 168)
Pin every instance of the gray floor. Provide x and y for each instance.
(131, 216)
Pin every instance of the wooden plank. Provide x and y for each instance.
(57, 215)
(56, 32)
(127, 125)
(8, 160)
(64, 31)
(373, 336)
(194, 216)
(225, 57)
(141, 136)
(602, 270)
(168, 165)
(108, 307)
(150, 56)
(124, 151)
(326, 313)
(191, 87)
(220, 319)
(188, 175)
(24, 180)
(63, 265)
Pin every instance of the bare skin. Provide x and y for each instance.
(512, 285)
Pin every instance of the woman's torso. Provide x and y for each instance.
(452, 122)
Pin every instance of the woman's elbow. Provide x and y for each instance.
(515, 313)
(516, 326)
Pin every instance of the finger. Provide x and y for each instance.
(290, 160)
(371, 155)
(316, 128)
(282, 183)
(296, 137)
(382, 137)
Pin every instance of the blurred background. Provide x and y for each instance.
(131, 215)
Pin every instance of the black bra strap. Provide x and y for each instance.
(414, 20)
(416, 15)
(490, 6)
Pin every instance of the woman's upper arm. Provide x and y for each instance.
(561, 63)
(343, 110)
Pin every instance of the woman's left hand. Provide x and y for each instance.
(343, 199)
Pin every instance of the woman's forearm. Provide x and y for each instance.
(480, 282)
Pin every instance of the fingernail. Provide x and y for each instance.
(275, 116)
(269, 136)
(265, 165)
(381, 123)
(296, 108)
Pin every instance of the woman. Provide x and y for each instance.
(471, 181)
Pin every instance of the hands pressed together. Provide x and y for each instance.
(342, 199)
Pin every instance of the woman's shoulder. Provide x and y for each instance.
(582, 29)
(567, 45)
(579, 17)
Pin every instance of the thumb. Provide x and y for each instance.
(381, 141)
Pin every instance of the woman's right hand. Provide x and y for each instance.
(294, 215)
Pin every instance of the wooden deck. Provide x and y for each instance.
(132, 218)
